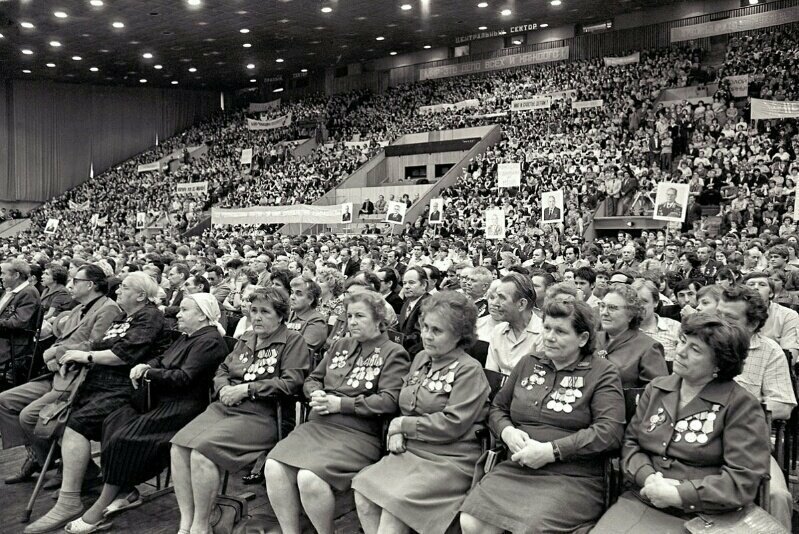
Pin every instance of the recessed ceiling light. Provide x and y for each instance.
(381, 38)
(26, 25)
(26, 71)
(556, 2)
(94, 69)
(427, 47)
(278, 90)
(517, 42)
(253, 80)
(250, 65)
(2, 36)
(506, 12)
(279, 60)
(55, 44)
(246, 45)
(174, 82)
(143, 80)
(392, 53)
(303, 70)
(60, 15)
(544, 25)
(193, 69)
(753, 2)
(50, 65)
(27, 51)
(76, 58)
(482, 4)
(244, 30)
(96, 3)
(118, 24)
(147, 55)
(483, 28)
(327, 9)
(194, 2)
(406, 7)
(158, 67)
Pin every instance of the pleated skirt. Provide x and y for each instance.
(136, 446)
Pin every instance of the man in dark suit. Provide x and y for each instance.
(19, 307)
(389, 288)
(347, 215)
(629, 186)
(670, 208)
(551, 212)
(435, 215)
(414, 286)
(348, 265)
(395, 215)
(367, 208)
(177, 275)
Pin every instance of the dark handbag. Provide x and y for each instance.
(143, 399)
(53, 417)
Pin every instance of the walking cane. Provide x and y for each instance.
(26, 513)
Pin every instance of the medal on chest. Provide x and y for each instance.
(536, 379)
(440, 380)
(117, 330)
(294, 326)
(339, 359)
(697, 427)
(562, 398)
(263, 362)
(366, 370)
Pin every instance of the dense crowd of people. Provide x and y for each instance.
(407, 349)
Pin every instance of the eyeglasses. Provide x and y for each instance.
(613, 308)
(81, 280)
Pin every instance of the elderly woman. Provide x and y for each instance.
(106, 388)
(559, 412)
(271, 361)
(661, 329)
(351, 390)
(135, 440)
(433, 445)
(638, 357)
(718, 446)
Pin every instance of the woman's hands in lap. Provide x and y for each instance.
(233, 395)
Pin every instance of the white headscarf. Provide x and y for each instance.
(210, 308)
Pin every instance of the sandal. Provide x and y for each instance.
(130, 501)
(79, 526)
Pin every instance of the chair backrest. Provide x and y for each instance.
(479, 351)
(631, 397)
(495, 381)
(231, 343)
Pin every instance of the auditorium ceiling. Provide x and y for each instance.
(204, 43)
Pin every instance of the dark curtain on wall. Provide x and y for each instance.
(50, 134)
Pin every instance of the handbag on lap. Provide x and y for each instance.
(53, 417)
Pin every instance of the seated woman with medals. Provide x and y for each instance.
(136, 436)
(558, 414)
(698, 442)
(433, 443)
(638, 357)
(266, 365)
(352, 390)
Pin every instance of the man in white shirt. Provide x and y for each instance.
(520, 332)
(782, 324)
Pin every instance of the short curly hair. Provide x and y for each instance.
(333, 278)
(756, 307)
(729, 342)
(458, 311)
(635, 307)
(374, 301)
(579, 314)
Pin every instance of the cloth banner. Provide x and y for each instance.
(246, 156)
(192, 188)
(735, 24)
(257, 107)
(772, 109)
(509, 175)
(148, 167)
(490, 115)
(527, 104)
(739, 85)
(495, 224)
(497, 63)
(298, 213)
(587, 104)
(439, 108)
(280, 122)
(625, 60)
(83, 206)
(560, 95)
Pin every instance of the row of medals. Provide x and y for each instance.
(694, 429)
(562, 398)
(264, 362)
(439, 380)
(365, 370)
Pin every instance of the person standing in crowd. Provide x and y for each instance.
(662, 329)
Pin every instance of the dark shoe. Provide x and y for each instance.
(253, 478)
(26, 472)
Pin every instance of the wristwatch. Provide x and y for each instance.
(556, 451)
(251, 391)
(90, 358)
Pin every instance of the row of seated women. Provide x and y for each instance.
(698, 442)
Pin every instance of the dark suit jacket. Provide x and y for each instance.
(395, 217)
(408, 325)
(21, 313)
(552, 214)
(435, 216)
(638, 357)
(351, 269)
(346, 217)
(673, 210)
(173, 304)
(395, 301)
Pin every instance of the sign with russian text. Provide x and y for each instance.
(149, 167)
(497, 63)
(280, 122)
(246, 156)
(773, 109)
(298, 213)
(739, 85)
(624, 60)
(735, 24)
(527, 104)
(509, 175)
(588, 104)
(192, 188)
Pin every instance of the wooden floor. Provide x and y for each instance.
(157, 516)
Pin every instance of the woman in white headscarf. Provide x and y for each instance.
(136, 437)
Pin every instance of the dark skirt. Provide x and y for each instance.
(630, 515)
(525, 501)
(136, 446)
(94, 403)
(231, 436)
(334, 453)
